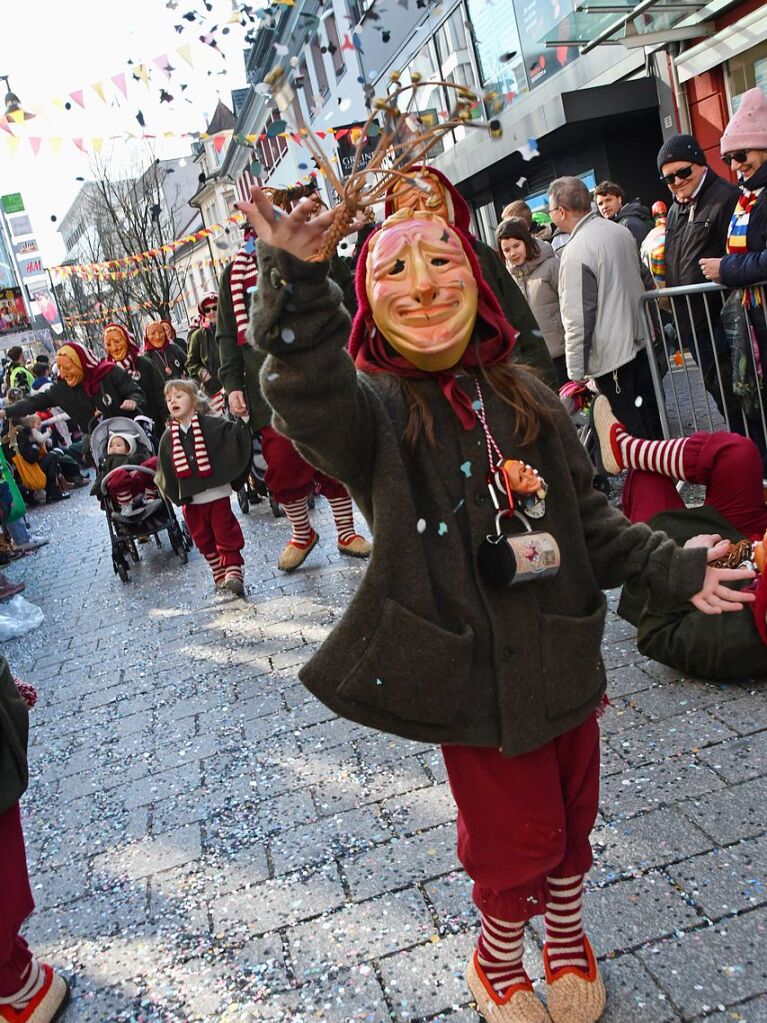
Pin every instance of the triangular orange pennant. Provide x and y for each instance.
(218, 142)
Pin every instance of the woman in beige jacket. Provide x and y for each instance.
(535, 268)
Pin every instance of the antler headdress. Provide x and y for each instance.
(402, 142)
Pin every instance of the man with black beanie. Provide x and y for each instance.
(696, 228)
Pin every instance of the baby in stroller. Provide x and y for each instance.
(130, 489)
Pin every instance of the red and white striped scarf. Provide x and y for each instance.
(243, 278)
(180, 461)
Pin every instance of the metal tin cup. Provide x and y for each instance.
(507, 559)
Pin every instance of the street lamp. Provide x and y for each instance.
(13, 108)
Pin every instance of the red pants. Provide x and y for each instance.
(523, 819)
(127, 484)
(289, 477)
(215, 530)
(16, 902)
(731, 469)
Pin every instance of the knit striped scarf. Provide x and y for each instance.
(243, 279)
(180, 461)
(129, 365)
(736, 236)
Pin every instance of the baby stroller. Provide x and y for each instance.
(255, 490)
(578, 399)
(150, 519)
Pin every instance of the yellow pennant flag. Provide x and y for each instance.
(58, 102)
(13, 144)
(98, 88)
(55, 145)
(97, 144)
(185, 52)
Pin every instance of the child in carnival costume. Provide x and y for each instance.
(425, 411)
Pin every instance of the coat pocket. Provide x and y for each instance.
(573, 673)
(411, 669)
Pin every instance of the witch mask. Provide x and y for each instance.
(421, 288)
(116, 343)
(155, 335)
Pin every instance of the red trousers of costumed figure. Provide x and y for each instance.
(523, 819)
(730, 468)
(215, 530)
(16, 902)
(289, 477)
(131, 484)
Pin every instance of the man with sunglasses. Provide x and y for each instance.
(696, 229)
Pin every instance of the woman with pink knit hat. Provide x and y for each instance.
(744, 148)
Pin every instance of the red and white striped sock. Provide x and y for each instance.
(233, 572)
(218, 570)
(564, 923)
(123, 497)
(298, 516)
(499, 951)
(665, 457)
(32, 980)
(343, 516)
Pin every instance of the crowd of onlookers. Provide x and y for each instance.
(584, 282)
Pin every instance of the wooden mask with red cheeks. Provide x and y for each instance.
(155, 334)
(421, 289)
(116, 343)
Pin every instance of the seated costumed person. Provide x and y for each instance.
(289, 477)
(430, 421)
(203, 361)
(121, 348)
(88, 390)
(164, 353)
(438, 195)
(732, 521)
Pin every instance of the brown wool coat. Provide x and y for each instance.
(425, 650)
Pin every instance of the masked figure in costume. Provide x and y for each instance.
(88, 390)
(203, 362)
(122, 350)
(420, 417)
(163, 351)
(440, 196)
(289, 477)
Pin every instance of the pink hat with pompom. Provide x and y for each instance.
(748, 127)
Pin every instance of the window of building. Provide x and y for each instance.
(319, 67)
(747, 71)
(311, 99)
(498, 47)
(334, 41)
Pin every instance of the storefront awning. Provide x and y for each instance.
(745, 33)
(595, 23)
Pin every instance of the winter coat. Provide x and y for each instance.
(20, 378)
(202, 353)
(716, 647)
(230, 452)
(170, 361)
(29, 446)
(240, 364)
(425, 650)
(81, 407)
(742, 270)
(600, 286)
(538, 280)
(637, 218)
(695, 231)
(14, 733)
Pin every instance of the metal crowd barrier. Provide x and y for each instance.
(687, 336)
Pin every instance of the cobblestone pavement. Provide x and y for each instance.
(207, 842)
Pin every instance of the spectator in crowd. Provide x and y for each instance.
(696, 229)
(519, 210)
(41, 373)
(652, 251)
(203, 360)
(600, 288)
(611, 203)
(32, 447)
(744, 148)
(30, 991)
(535, 268)
(16, 374)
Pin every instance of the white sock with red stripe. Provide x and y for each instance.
(218, 570)
(33, 979)
(233, 572)
(298, 516)
(343, 516)
(665, 457)
(564, 923)
(499, 952)
(123, 497)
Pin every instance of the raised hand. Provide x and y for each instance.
(294, 232)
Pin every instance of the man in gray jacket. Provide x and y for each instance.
(600, 287)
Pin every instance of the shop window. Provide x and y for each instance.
(319, 67)
(747, 71)
(334, 41)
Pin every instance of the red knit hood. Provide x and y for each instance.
(458, 209)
